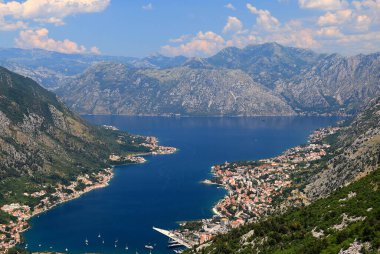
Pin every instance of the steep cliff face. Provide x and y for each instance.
(334, 82)
(266, 63)
(43, 142)
(357, 153)
(108, 88)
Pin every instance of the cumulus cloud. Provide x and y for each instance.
(230, 6)
(330, 32)
(29, 14)
(202, 44)
(344, 27)
(264, 18)
(179, 39)
(323, 4)
(233, 24)
(39, 38)
(335, 18)
(10, 26)
(148, 7)
(48, 11)
(362, 22)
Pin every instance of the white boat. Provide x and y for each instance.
(99, 235)
(126, 247)
(149, 247)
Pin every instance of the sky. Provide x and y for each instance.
(189, 27)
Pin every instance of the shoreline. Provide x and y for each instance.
(256, 188)
(87, 190)
(63, 194)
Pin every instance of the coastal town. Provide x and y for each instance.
(10, 234)
(49, 197)
(255, 188)
(151, 143)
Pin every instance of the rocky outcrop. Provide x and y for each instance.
(357, 153)
(334, 83)
(109, 88)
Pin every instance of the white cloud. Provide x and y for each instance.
(148, 7)
(180, 39)
(264, 18)
(343, 27)
(363, 22)
(230, 6)
(48, 11)
(39, 38)
(323, 4)
(10, 26)
(202, 44)
(330, 32)
(16, 15)
(372, 4)
(233, 24)
(335, 18)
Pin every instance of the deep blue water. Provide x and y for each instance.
(166, 189)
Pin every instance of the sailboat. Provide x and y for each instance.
(99, 235)
(86, 241)
(126, 247)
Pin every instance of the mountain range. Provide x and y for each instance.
(266, 79)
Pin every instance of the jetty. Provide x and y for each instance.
(177, 238)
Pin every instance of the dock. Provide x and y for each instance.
(187, 243)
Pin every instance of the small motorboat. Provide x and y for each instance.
(149, 247)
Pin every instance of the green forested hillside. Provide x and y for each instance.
(42, 143)
(344, 188)
(351, 213)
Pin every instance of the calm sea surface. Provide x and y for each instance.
(166, 189)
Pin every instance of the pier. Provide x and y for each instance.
(187, 243)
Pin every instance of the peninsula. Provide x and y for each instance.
(50, 155)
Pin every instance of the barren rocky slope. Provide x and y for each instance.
(109, 88)
(356, 153)
(282, 81)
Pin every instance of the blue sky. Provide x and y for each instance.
(188, 27)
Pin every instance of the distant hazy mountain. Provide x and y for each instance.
(110, 88)
(50, 68)
(273, 76)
